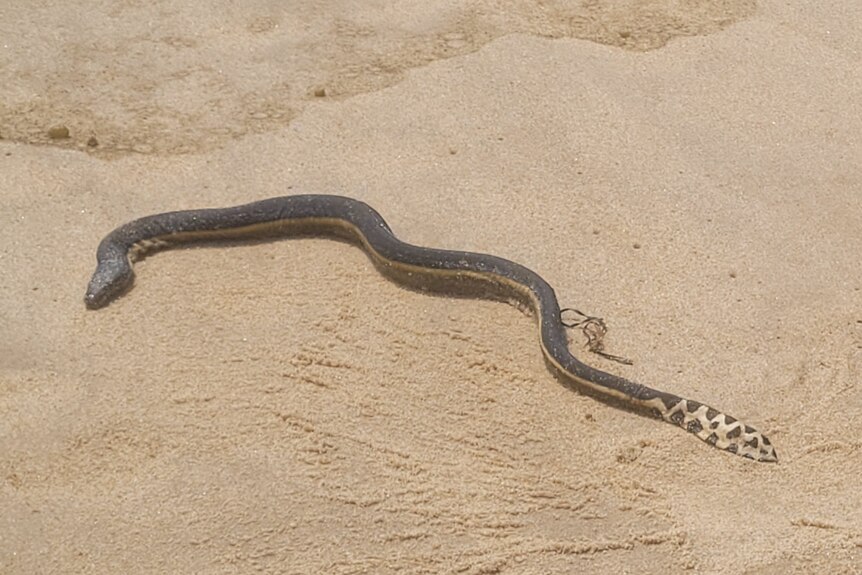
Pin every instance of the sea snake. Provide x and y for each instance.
(447, 272)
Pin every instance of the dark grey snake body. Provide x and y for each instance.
(442, 271)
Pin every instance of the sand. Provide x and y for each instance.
(690, 172)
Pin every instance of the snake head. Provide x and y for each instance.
(111, 278)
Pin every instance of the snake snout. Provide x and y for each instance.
(111, 278)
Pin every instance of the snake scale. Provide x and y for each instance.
(453, 273)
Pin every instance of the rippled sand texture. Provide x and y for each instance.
(689, 171)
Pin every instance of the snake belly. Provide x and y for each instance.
(447, 272)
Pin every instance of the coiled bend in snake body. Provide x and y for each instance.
(446, 272)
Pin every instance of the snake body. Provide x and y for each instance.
(442, 271)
